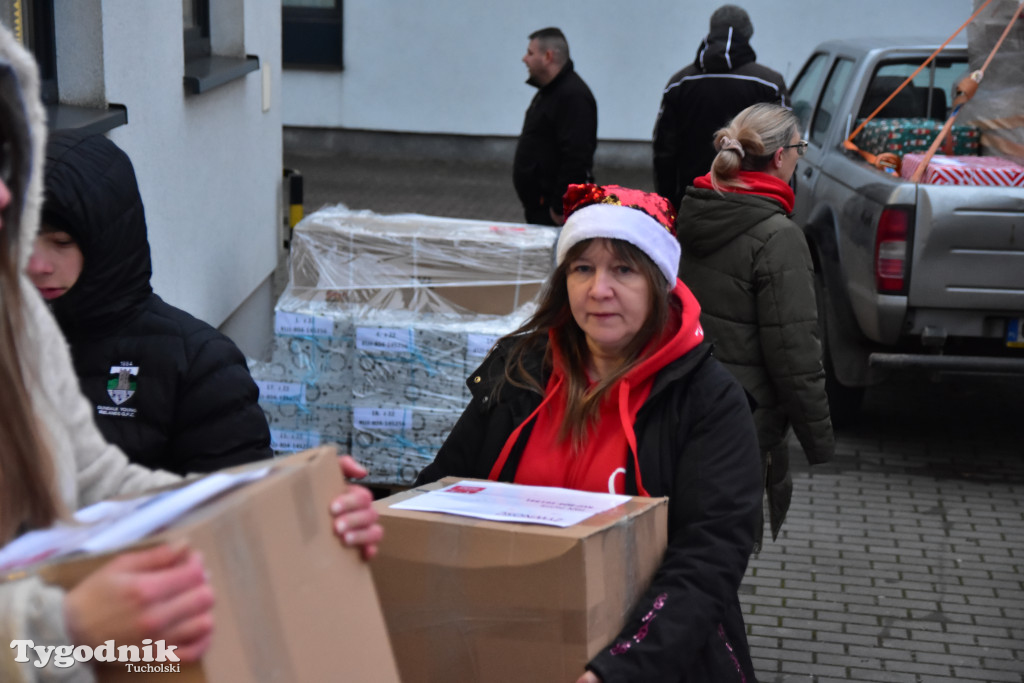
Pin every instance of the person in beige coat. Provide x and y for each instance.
(53, 459)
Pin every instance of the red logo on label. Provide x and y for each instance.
(466, 489)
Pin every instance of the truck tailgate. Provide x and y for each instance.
(968, 248)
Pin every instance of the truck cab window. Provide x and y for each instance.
(929, 95)
(805, 87)
(835, 89)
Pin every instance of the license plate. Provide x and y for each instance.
(1015, 332)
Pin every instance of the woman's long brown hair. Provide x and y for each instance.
(28, 496)
(553, 313)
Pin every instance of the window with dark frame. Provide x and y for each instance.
(311, 34)
(203, 69)
(32, 23)
(196, 22)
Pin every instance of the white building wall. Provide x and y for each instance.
(451, 66)
(208, 165)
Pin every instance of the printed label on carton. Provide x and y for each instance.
(390, 419)
(293, 440)
(479, 345)
(300, 325)
(395, 339)
(282, 392)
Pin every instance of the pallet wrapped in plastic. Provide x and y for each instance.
(377, 360)
(419, 263)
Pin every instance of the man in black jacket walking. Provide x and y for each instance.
(556, 147)
(723, 80)
(168, 389)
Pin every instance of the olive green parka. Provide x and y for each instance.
(749, 267)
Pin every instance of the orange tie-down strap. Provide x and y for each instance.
(887, 160)
(967, 87)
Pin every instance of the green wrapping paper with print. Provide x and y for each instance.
(912, 135)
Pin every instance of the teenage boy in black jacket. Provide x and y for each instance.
(170, 390)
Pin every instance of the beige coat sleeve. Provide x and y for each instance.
(88, 469)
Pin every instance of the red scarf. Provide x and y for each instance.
(761, 184)
(601, 466)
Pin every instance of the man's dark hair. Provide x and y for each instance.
(553, 39)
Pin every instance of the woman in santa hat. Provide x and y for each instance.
(610, 387)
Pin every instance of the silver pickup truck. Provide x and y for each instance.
(909, 276)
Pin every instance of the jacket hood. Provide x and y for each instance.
(91, 193)
(24, 127)
(708, 220)
(723, 50)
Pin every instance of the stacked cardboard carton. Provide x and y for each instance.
(383, 319)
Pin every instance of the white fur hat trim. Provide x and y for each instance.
(614, 221)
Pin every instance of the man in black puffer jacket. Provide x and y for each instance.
(723, 81)
(171, 391)
(556, 147)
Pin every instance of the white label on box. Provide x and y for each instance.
(282, 392)
(390, 419)
(384, 339)
(293, 440)
(300, 325)
(479, 345)
(502, 502)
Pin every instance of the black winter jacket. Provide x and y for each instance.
(702, 98)
(556, 147)
(171, 391)
(697, 446)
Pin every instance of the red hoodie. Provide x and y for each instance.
(601, 465)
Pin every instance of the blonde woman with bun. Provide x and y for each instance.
(749, 266)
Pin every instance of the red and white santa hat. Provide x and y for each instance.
(644, 219)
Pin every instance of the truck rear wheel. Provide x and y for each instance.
(844, 402)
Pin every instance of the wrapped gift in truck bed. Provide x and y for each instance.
(965, 170)
(908, 135)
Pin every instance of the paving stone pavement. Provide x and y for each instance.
(902, 561)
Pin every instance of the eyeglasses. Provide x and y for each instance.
(801, 147)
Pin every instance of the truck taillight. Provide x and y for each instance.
(891, 244)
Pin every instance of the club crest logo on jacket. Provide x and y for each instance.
(121, 386)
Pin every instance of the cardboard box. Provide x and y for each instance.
(467, 599)
(293, 604)
(416, 262)
(387, 385)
